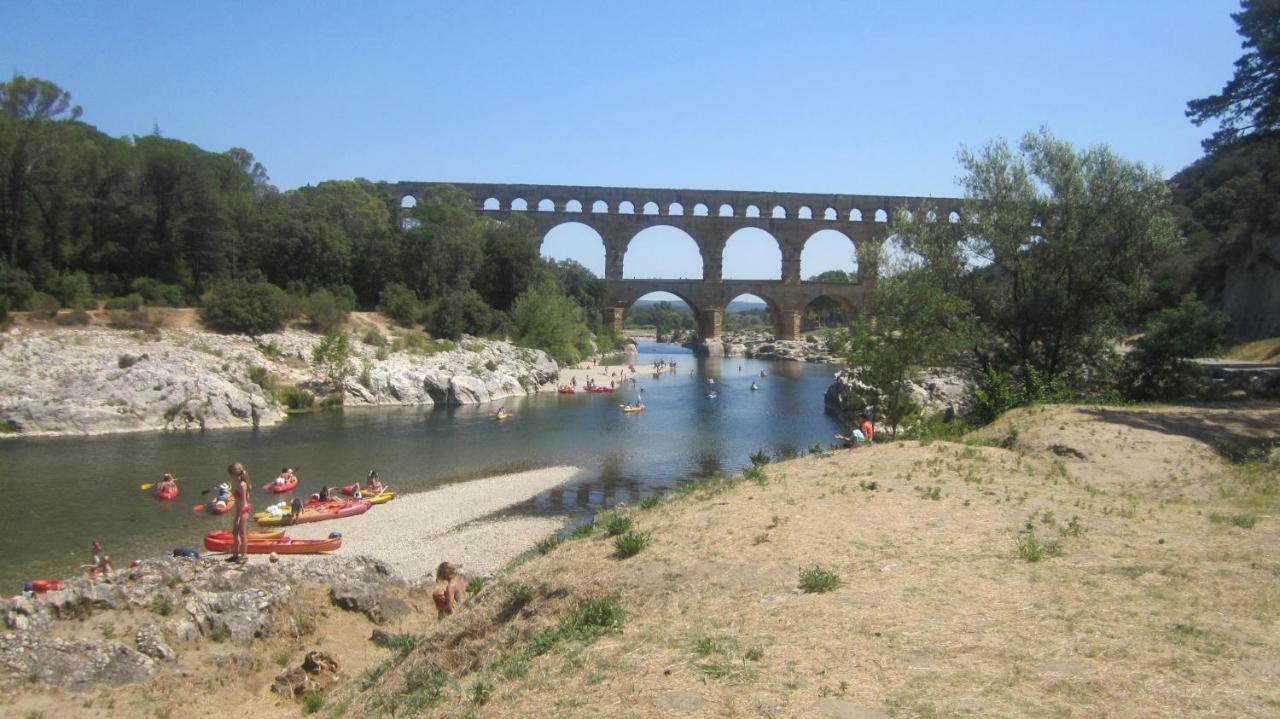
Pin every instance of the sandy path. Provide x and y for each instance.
(415, 532)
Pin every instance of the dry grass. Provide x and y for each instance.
(1150, 609)
(1267, 350)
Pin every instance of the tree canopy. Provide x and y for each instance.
(1250, 101)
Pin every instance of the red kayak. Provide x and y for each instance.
(567, 390)
(286, 487)
(222, 542)
(167, 494)
(40, 586)
(601, 389)
(318, 513)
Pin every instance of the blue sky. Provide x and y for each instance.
(861, 97)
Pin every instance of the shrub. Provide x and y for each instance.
(333, 356)
(133, 320)
(1159, 366)
(544, 318)
(630, 544)
(4, 311)
(76, 316)
(128, 302)
(244, 307)
(651, 501)
(583, 531)
(158, 294)
(325, 310)
(475, 585)
(43, 305)
(401, 304)
(595, 616)
(816, 580)
(16, 285)
(261, 377)
(459, 312)
(73, 289)
(374, 338)
(125, 361)
(617, 524)
(759, 458)
(296, 399)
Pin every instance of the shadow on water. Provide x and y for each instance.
(61, 493)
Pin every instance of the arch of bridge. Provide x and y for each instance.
(711, 232)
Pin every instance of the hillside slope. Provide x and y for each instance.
(1158, 604)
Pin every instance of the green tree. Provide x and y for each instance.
(325, 310)
(461, 312)
(839, 276)
(510, 263)
(1063, 240)
(1250, 101)
(917, 325)
(30, 107)
(544, 318)
(251, 308)
(1160, 366)
(401, 304)
(442, 249)
(332, 354)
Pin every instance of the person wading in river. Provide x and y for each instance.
(240, 527)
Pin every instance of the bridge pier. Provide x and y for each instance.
(789, 324)
(712, 323)
(613, 317)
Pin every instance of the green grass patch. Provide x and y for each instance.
(1033, 550)
(630, 544)
(403, 643)
(1244, 521)
(582, 531)
(815, 579)
(617, 524)
(548, 544)
(651, 501)
(311, 702)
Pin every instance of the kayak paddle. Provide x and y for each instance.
(148, 485)
(199, 507)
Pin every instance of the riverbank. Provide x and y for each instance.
(157, 370)
(1101, 560)
(415, 532)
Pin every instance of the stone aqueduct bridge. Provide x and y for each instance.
(618, 214)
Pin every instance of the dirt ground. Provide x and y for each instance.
(1162, 597)
(1156, 604)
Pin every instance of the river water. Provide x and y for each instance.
(60, 493)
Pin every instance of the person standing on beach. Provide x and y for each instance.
(448, 597)
(240, 527)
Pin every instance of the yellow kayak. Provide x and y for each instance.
(382, 498)
(266, 533)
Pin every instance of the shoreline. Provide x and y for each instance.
(413, 533)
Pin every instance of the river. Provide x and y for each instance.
(63, 492)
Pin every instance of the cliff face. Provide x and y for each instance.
(1251, 290)
(96, 380)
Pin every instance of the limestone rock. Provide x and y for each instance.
(78, 666)
(318, 672)
(151, 642)
(935, 391)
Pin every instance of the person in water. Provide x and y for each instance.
(754, 387)
(285, 477)
(373, 485)
(224, 496)
(240, 525)
(450, 595)
(167, 484)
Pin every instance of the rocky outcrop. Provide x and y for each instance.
(317, 673)
(78, 666)
(99, 380)
(190, 599)
(935, 391)
(762, 345)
